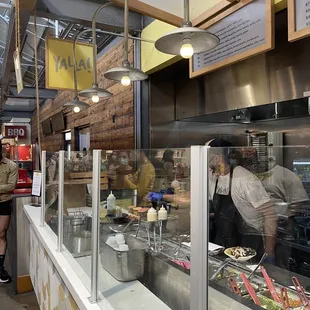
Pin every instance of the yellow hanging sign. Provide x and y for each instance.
(59, 64)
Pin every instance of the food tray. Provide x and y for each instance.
(267, 303)
(257, 286)
(291, 295)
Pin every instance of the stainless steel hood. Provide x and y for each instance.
(298, 108)
(280, 75)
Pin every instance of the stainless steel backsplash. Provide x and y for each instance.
(279, 75)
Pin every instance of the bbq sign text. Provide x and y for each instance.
(16, 131)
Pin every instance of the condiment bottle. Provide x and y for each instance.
(111, 203)
(162, 214)
(152, 215)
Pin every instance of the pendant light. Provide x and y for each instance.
(125, 73)
(76, 105)
(187, 40)
(95, 92)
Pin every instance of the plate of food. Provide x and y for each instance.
(240, 254)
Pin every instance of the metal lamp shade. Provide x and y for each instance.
(76, 103)
(117, 73)
(201, 40)
(101, 92)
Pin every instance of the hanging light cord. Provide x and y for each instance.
(126, 31)
(95, 78)
(17, 26)
(35, 43)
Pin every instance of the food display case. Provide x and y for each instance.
(232, 237)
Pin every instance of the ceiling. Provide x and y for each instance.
(4, 25)
(69, 17)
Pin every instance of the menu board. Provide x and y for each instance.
(244, 31)
(36, 184)
(298, 19)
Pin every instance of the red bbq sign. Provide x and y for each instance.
(16, 131)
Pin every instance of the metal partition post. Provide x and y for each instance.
(43, 187)
(61, 176)
(199, 228)
(95, 225)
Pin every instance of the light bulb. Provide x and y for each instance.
(125, 80)
(95, 98)
(76, 109)
(187, 50)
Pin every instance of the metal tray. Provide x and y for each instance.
(290, 293)
(124, 266)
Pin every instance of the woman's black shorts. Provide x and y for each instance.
(6, 208)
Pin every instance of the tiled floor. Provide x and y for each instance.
(9, 301)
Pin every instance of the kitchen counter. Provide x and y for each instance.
(75, 273)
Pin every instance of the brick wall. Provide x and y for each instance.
(104, 134)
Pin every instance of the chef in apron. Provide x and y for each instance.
(241, 205)
(224, 230)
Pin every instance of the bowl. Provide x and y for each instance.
(239, 259)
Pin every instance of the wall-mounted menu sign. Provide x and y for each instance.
(298, 19)
(245, 30)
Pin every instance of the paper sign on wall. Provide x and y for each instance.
(36, 183)
(60, 64)
(298, 19)
(244, 31)
(18, 71)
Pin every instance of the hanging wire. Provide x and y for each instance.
(35, 43)
(17, 26)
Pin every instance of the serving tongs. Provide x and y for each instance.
(250, 289)
(270, 286)
(255, 269)
(301, 293)
(284, 299)
(234, 286)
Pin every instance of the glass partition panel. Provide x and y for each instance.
(145, 229)
(77, 215)
(259, 214)
(51, 201)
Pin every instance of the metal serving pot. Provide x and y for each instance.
(71, 224)
(79, 242)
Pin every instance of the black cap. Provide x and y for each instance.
(219, 143)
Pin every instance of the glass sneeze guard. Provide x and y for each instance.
(216, 199)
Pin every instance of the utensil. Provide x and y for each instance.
(284, 299)
(301, 293)
(255, 269)
(139, 226)
(221, 267)
(234, 286)
(250, 289)
(258, 265)
(131, 221)
(270, 285)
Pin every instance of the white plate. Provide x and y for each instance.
(240, 259)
